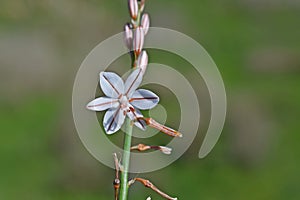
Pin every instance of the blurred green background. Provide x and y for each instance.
(255, 44)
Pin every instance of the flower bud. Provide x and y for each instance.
(138, 40)
(142, 61)
(142, 5)
(128, 35)
(145, 22)
(133, 8)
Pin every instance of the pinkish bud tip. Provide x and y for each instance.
(142, 61)
(138, 40)
(145, 22)
(133, 8)
(128, 35)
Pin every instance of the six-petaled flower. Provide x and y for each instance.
(123, 99)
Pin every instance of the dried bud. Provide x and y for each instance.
(116, 182)
(138, 40)
(165, 150)
(128, 35)
(133, 8)
(143, 147)
(142, 61)
(145, 22)
(150, 185)
(154, 124)
(140, 147)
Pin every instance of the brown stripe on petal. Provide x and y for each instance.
(111, 85)
(142, 98)
(140, 71)
(138, 119)
(114, 118)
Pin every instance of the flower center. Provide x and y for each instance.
(123, 101)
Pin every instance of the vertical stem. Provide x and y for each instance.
(127, 143)
(126, 160)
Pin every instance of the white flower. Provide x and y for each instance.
(122, 99)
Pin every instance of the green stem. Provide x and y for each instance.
(127, 144)
(126, 160)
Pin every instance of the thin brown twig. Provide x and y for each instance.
(162, 128)
(116, 182)
(150, 185)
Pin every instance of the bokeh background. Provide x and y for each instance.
(255, 44)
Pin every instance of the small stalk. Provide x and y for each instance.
(126, 160)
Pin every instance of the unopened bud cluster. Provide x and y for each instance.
(135, 32)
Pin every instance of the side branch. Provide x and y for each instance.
(150, 185)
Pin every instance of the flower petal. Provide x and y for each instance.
(111, 84)
(133, 81)
(102, 103)
(144, 99)
(113, 120)
(135, 115)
